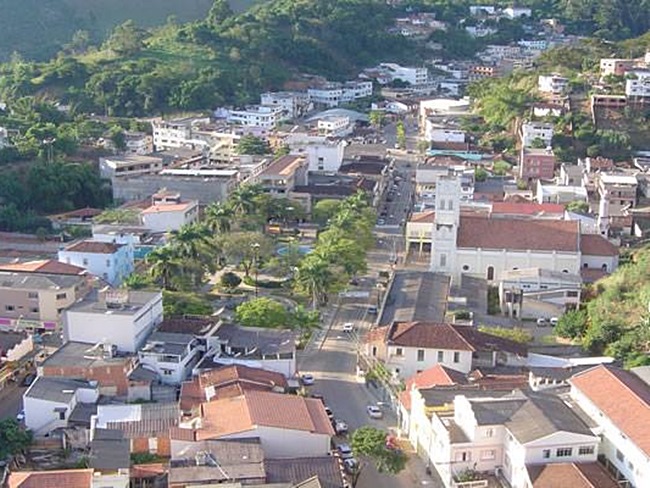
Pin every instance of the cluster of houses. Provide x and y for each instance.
(215, 402)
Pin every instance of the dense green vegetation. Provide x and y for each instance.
(617, 320)
(226, 58)
(38, 29)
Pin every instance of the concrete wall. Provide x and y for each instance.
(286, 443)
(205, 191)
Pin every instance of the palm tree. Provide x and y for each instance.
(315, 279)
(242, 200)
(218, 217)
(164, 264)
(196, 247)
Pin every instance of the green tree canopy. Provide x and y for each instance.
(253, 145)
(13, 438)
(262, 312)
(371, 442)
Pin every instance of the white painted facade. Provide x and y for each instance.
(20, 350)
(334, 126)
(411, 75)
(114, 267)
(517, 12)
(333, 94)
(620, 450)
(171, 134)
(321, 153)
(169, 217)
(530, 131)
(605, 263)
(129, 165)
(263, 116)
(287, 367)
(125, 328)
(436, 133)
(43, 415)
(404, 362)
(172, 367)
(287, 443)
(292, 104)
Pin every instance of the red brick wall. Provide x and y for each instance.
(106, 376)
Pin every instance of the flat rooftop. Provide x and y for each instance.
(33, 281)
(81, 355)
(131, 303)
(283, 166)
(416, 296)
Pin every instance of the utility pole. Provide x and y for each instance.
(256, 250)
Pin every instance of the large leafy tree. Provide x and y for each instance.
(164, 265)
(315, 279)
(13, 438)
(262, 312)
(372, 444)
(245, 248)
(219, 217)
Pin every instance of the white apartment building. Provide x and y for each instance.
(321, 153)
(505, 433)
(333, 94)
(534, 44)
(411, 75)
(138, 142)
(531, 131)
(263, 116)
(169, 134)
(554, 84)
(171, 355)
(517, 12)
(617, 401)
(334, 126)
(168, 212)
(639, 85)
(292, 104)
(434, 132)
(108, 260)
(120, 318)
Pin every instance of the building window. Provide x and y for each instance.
(443, 260)
(10, 308)
(374, 351)
(167, 372)
(61, 296)
(546, 453)
(565, 270)
(572, 294)
(399, 351)
(464, 456)
(490, 273)
(33, 309)
(32, 294)
(441, 356)
(108, 263)
(420, 354)
(85, 262)
(619, 456)
(488, 455)
(456, 357)
(586, 450)
(489, 432)
(465, 267)
(563, 452)
(62, 415)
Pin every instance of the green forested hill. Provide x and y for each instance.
(38, 28)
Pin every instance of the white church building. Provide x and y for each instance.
(488, 246)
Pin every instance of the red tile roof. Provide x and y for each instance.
(450, 337)
(94, 247)
(574, 475)
(597, 245)
(228, 381)
(620, 395)
(437, 375)
(79, 213)
(48, 266)
(68, 478)
(147, 470)
(518, 234)
(512, 208)
(258, 408)
(423, 217)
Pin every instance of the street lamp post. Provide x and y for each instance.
(256, 250)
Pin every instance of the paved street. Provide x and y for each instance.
(11, 400)
(332, 356)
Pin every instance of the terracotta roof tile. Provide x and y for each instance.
(518, 234)
(167, 207)
(597, 245)
(449, 337)
(423, 217)
(147, 470)
(528, 208)
(46, 266)
(94, 247)
(620, 395)
(437, 375)
(68, 478)
(575, 475)
(258, 408)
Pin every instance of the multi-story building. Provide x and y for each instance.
(615, 66)
(322, 153)
(120, 318)
(334, 126)
(407, 348)
(138, 142)
(435, 132)
(282, 175)
(637, 86)
(171, 355)
(265, 116)
(618, 403)
(35, 302)
(292, 104)
(110, 261)
(541, 132)
(129, 165)
(171, 134)
(411, 75)
(619, 190)
(333, 94)
(535, 164)
(168, 212)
